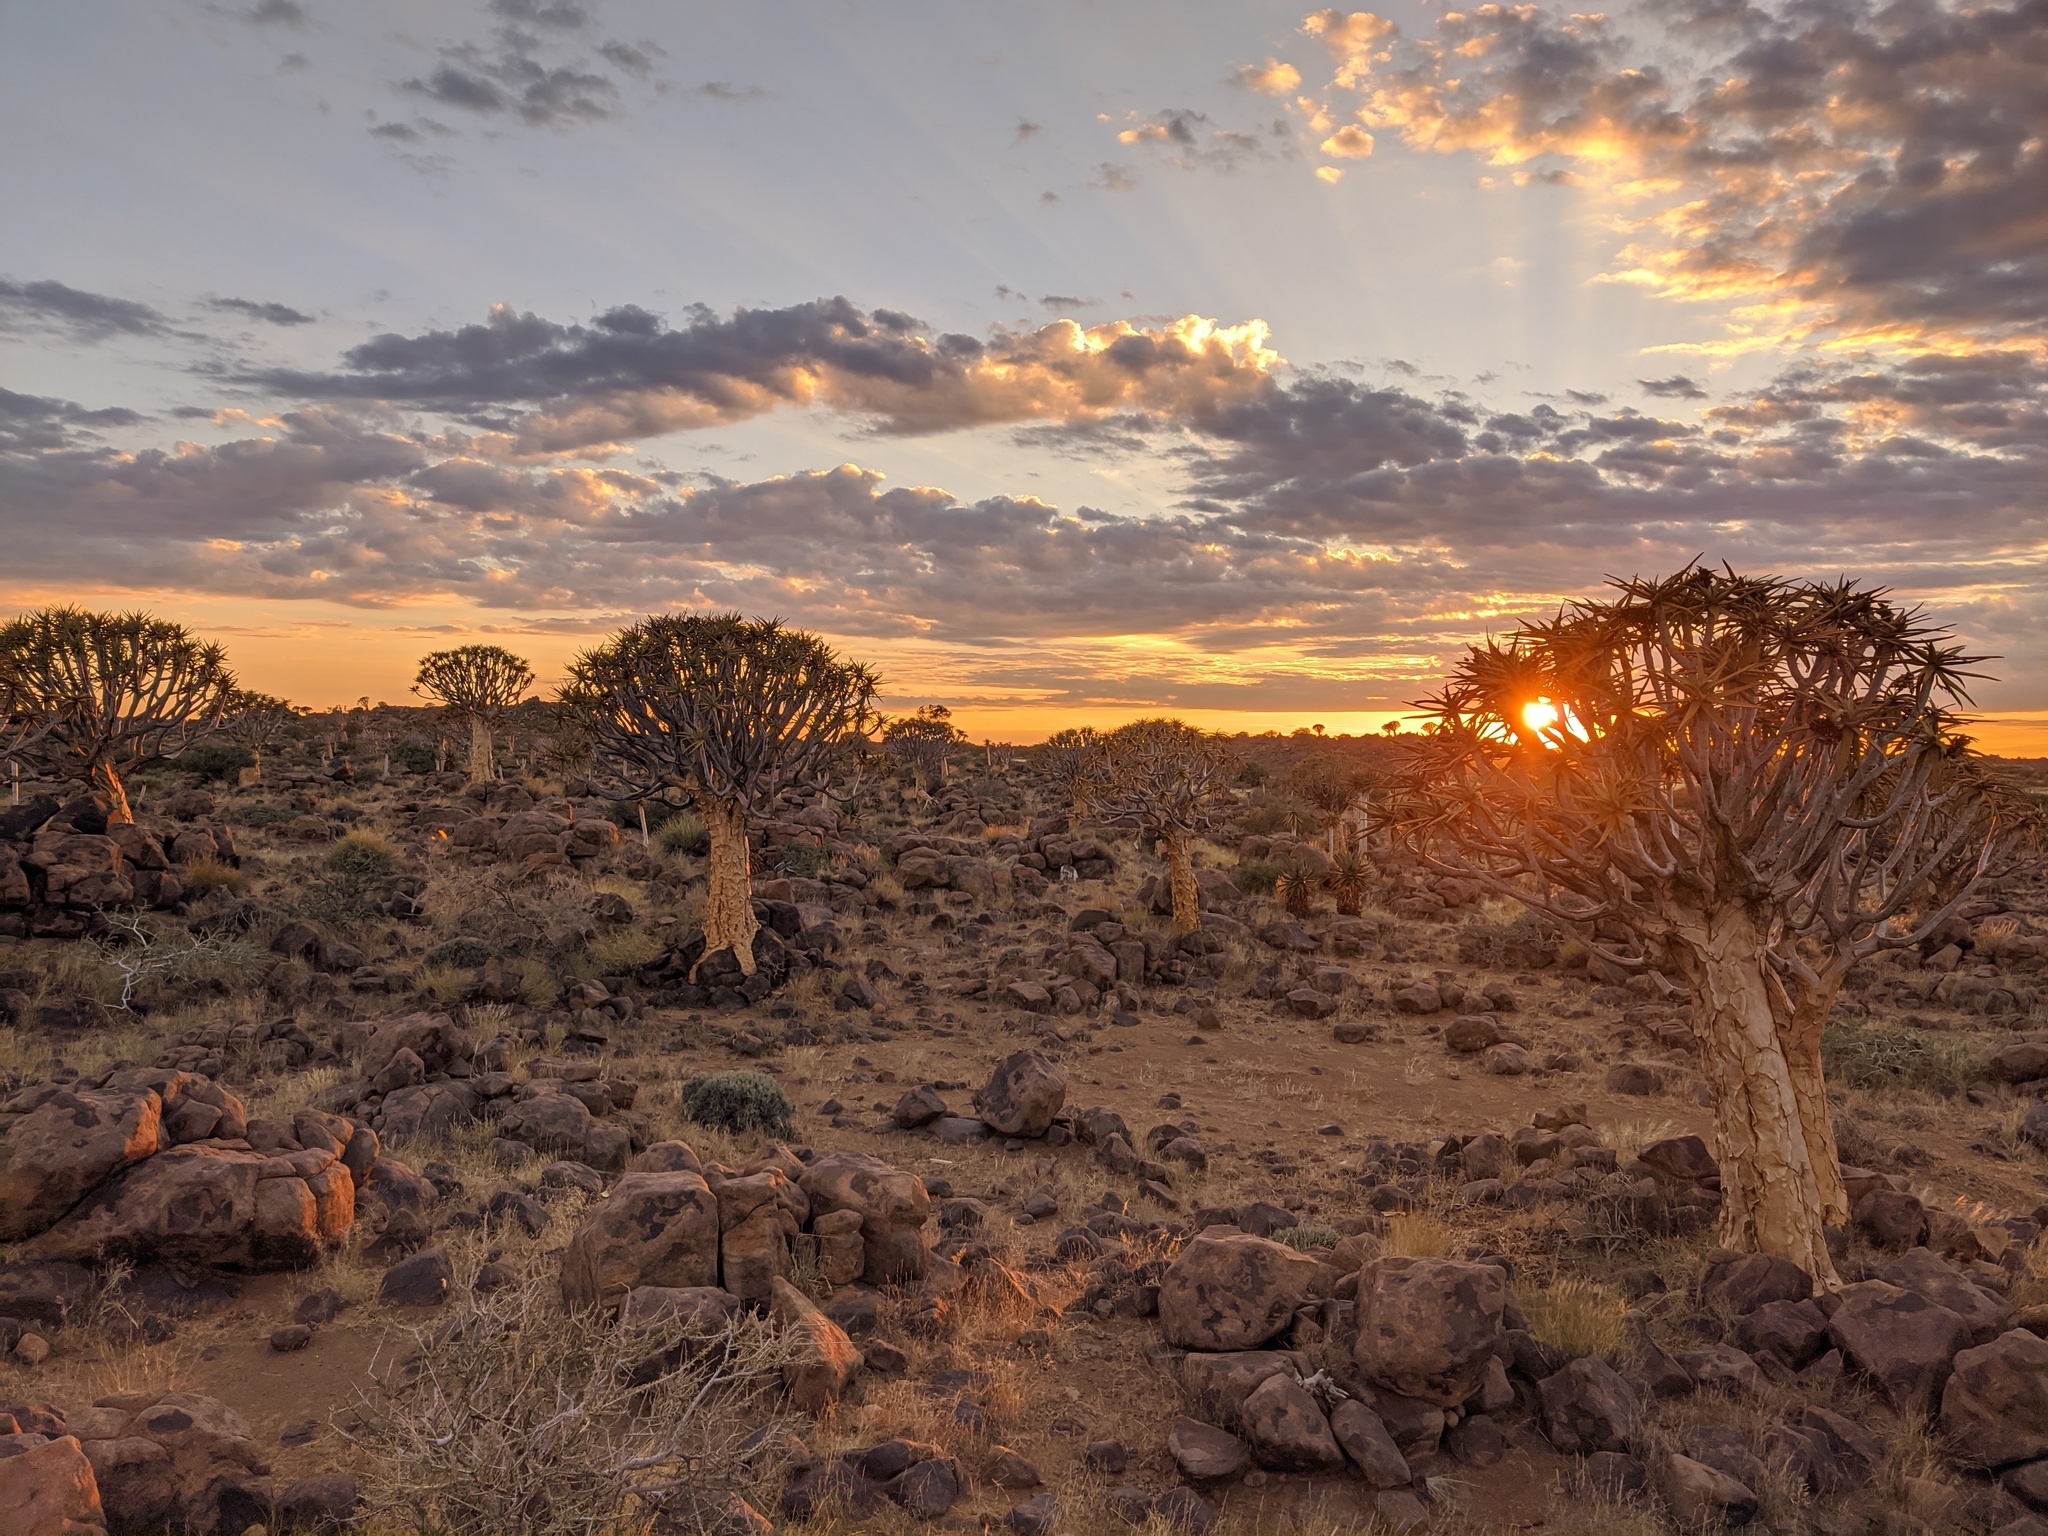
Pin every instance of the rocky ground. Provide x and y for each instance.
(1306, 1220)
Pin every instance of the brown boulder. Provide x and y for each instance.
(657, 1229)
(893, 1207)
(1286, 1428)
(1022, 1095)
(58, 1153)
(183, 1463)
(826, 1360)
(1587, 1407)
(1205, 1453)
(1899, 1339)
(759, 1215)
(1218, 1384)
(1994, 1409)
(1366, 1441)
(1232, 1292)
(49, 1490)
(1427, 1327)
(210, 1204)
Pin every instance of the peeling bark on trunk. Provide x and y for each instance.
(729, 905)
(481, 768)
(109, 784)
(1771, 1188)
(1802, 1056)
(1180, 875)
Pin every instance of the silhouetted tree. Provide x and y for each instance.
(923, 743)
(730, 712)
(256, 721)
(110, 693)
(1066, 758)
(477, 683)
(1173, 781)
(1760, 782)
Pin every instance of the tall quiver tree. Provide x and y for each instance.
(477, 683)
(256, 721)
(1750, 784)
(112, 692)
(1068, 761)
(923, 743)
(1173, 781)
(729, 712)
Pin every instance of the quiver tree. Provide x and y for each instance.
(729, 712)
(923, 743)
(1171, 780)
(478, 683)
(1334, 787)
(256, 721)
(1759, 782)
(1068, 758)
(109, 693)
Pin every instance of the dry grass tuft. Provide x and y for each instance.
(1576, 1316)
(1417, 1234)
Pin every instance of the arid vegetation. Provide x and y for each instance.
(1148, 1129)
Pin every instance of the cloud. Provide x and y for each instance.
(1110, 177)
(47, 305)
(545, 387)
(1273, 77)
(1330, 527)
(1188, 140)
(564, 15)
(1027, 129)
(1677, 387)
(278, 13)
(1860, 171)
(725, 90)
(1350, 142)
(534, 70)
(269, 313)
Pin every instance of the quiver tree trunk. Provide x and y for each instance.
(481, 768)
(1771, 1135)
(729, 905)
(1180, 876)
(108, 782)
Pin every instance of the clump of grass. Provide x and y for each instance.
(624, 950)
(460, 953)
(1858, 1057)
(203, 876)
(1418, 1235)
(1308, 1237)
(443, 983)
(804, 860)
(736, 1102)
(1576, 1316)
(682, 832)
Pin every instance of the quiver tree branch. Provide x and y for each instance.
(1759, 783)
(729, 712)
(1067, 759)
(1171, 781)
(109, 693)
(477, 683)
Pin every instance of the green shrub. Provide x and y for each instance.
(1281, 810)
(1252, 774)
(358, 873)
(804, 860)
(737, 1101)
(1856, 1057)
(1309, 1237)
(465, 953)
(1257, 877)
(265, 815)
(414, 757)
(221, 761)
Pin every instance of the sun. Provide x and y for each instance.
(1540, 716)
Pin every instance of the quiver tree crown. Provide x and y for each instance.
(1169, 780)
(727, 712)
(477, 683)
(1759, 783)
(97, 695)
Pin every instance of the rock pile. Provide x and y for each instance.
(61, 862)
(149, 1163)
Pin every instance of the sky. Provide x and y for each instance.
(1069, 361)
